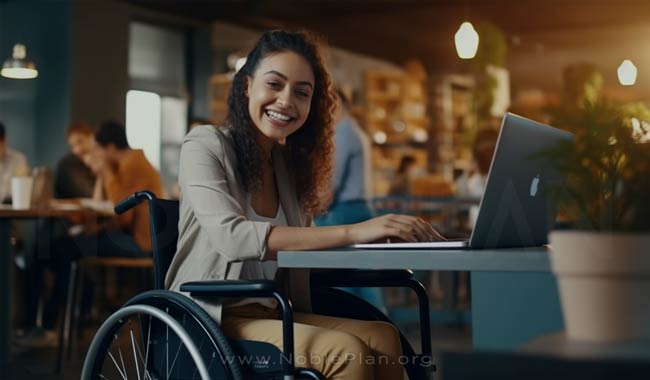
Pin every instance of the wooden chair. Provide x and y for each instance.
(72, 310)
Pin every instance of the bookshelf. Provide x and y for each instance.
(396, 120)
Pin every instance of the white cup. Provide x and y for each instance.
(21, 192)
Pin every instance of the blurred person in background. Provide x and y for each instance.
(403, 176)
(120, 172)
(351, 183)
(351, 170)
(12, 163)
(74, 179)
(471, 182)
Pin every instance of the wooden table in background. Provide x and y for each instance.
(7, 215)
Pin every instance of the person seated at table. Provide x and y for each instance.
(247, 189)
(121, 171)
(74, 178)
(403, 176)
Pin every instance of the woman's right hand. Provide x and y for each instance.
(403, 227)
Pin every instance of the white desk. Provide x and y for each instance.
(514, 295)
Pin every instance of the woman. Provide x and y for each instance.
(246, 190)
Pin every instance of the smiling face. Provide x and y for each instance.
(279, 96)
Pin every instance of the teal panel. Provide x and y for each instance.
(509, 309)
(36, 111)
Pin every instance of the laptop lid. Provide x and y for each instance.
(514, 209)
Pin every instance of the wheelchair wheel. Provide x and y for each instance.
(160, 335)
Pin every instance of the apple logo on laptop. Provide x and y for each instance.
(534, 185)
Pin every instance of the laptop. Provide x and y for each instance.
(514, 211)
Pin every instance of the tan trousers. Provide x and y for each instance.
(338, 348)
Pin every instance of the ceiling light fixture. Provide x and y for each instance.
(627, 73)
(18, 67)
(466, 40)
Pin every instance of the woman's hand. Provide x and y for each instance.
(403, 227)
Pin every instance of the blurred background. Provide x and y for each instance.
(424, 79)
(397, 60)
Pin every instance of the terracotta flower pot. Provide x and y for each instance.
(604, 284)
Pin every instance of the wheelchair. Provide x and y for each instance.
(161, 334)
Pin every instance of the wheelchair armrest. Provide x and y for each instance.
(381, 278)
(361, 278)
(231, 288)
(259, 288)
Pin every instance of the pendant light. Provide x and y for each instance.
(18, 67)
(466, 40)
(627, 73)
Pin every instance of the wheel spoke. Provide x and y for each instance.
(142, 359)
(196, 369)
(119, 349)
(167, 347)
(135, 356)
(180, 344)
(144, 328)
(116, 366)
(214, 355)
(139, 350)
(146, 354)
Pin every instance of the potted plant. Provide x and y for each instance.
(603, 262)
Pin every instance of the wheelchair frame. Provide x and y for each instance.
(240, 288)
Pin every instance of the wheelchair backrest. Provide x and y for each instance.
(163, 220)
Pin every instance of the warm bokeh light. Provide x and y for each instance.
(466, 40)
(420, 135)
(240, 63)
(18, 67)
(380, 137)
(627, 73)
(19, 73)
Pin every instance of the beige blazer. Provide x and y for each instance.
(214, 235)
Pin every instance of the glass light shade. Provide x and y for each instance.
(18, 67)
(466, 40)
(627, 73)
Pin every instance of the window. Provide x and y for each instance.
(143, 114)
(156, 111)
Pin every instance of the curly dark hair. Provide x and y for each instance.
(309, 150)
